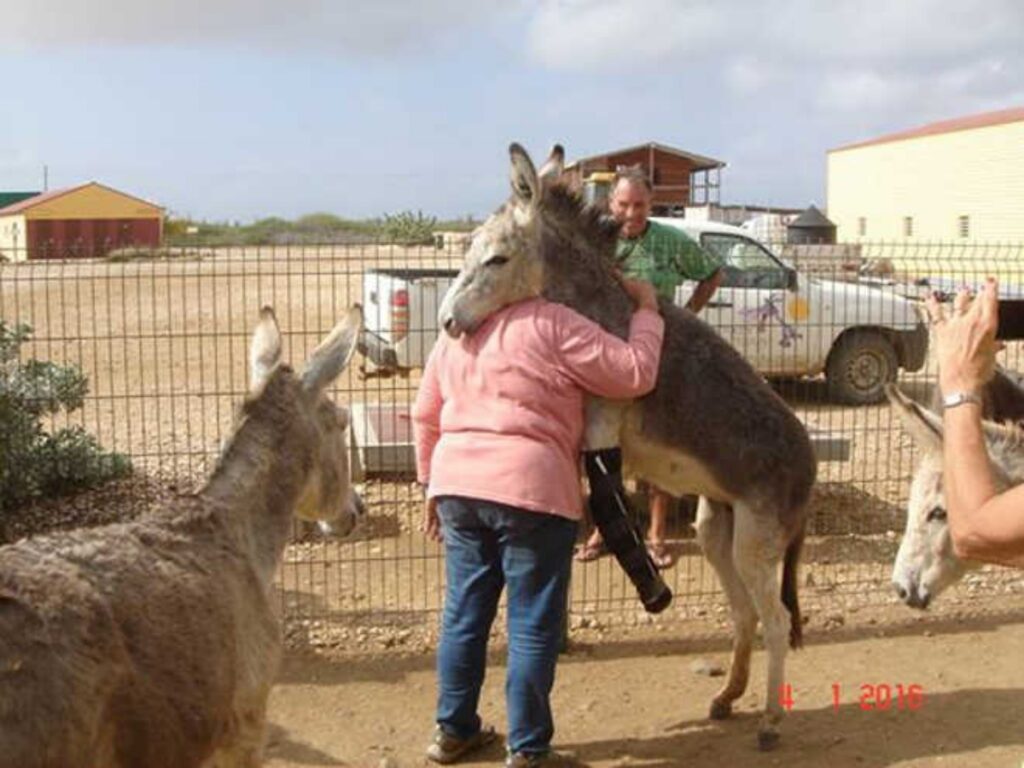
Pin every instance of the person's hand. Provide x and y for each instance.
(641, 292)
(965, 341)
(431, 522)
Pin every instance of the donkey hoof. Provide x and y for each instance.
(721, 710)
(767, 740)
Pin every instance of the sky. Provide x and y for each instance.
(233, 110)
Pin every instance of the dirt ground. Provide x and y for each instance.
(633, 699)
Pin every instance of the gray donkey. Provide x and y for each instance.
(926, 564)
(712, 426)
(154, 643)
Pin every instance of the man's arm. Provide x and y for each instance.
(704, 291)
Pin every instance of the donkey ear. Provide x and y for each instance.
(923, 425)
(329, 359)
(525, 184)
(553, 166)
(265, 350)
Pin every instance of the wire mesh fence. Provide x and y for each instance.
(164, 343)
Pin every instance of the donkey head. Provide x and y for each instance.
(503, 264)
(926, 563)
(327, 494)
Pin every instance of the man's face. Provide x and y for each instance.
(631, 205)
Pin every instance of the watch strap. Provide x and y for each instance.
(953, 399)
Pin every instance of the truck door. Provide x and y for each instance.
(758, 307)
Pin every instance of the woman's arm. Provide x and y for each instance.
(604, 364)
(426, 415)
(985, 524)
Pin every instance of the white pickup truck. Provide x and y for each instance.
(786, 323)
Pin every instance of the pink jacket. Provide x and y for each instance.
(499, 413)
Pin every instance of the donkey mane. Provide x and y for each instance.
(597, 230)
(578, 250)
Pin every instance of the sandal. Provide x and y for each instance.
(592, 550)
(661, 555)
(446, 748)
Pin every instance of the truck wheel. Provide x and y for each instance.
(859, 367)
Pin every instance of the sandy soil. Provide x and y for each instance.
(632, 699)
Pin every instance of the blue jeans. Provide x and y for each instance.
(488, 546)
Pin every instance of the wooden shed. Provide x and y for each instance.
(679, 178)
(87, 221)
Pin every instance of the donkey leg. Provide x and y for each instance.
(714, 533)
(758, 549)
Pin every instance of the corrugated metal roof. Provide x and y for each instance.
(702, 163)
(32, 202)
(10, 198)
(982, 120)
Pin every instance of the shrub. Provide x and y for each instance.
(34, 462)
(408, 228)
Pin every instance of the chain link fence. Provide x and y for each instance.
(164, 341)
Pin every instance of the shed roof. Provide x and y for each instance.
(981, 120)
(45, 197)
(812, 218)
(700, 162)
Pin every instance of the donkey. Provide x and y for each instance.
(926, 563)
(712, 426)
(154, 643)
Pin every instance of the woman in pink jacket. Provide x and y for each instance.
(498, 424)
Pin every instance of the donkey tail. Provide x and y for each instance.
(789, 589)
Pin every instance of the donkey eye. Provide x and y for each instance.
(496, 261)
(937, 514)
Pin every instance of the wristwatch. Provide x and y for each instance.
(953, 399)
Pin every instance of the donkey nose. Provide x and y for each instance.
(918, 599)
(901, 592)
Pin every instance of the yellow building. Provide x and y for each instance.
(958, 180)
(89, 220)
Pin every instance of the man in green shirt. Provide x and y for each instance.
(665, 257)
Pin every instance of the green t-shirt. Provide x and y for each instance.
(665, 256)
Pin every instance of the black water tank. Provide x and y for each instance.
(811, 226)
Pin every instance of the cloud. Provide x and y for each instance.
(295, 25)
(583, 33)
(589, 34)
(927, 57)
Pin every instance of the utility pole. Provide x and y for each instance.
(46, 178)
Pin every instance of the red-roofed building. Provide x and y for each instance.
(87, 221)
(954, 180)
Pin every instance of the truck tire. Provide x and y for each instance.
(861, 363)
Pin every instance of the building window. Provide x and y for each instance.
(963, 226)
(908, 226)
(862, 226)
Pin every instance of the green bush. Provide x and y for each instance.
(408, 228)
(33, 462)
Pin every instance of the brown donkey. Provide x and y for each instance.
(712, 426)
(153, 644)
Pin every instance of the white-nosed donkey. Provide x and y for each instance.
(926, 563)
